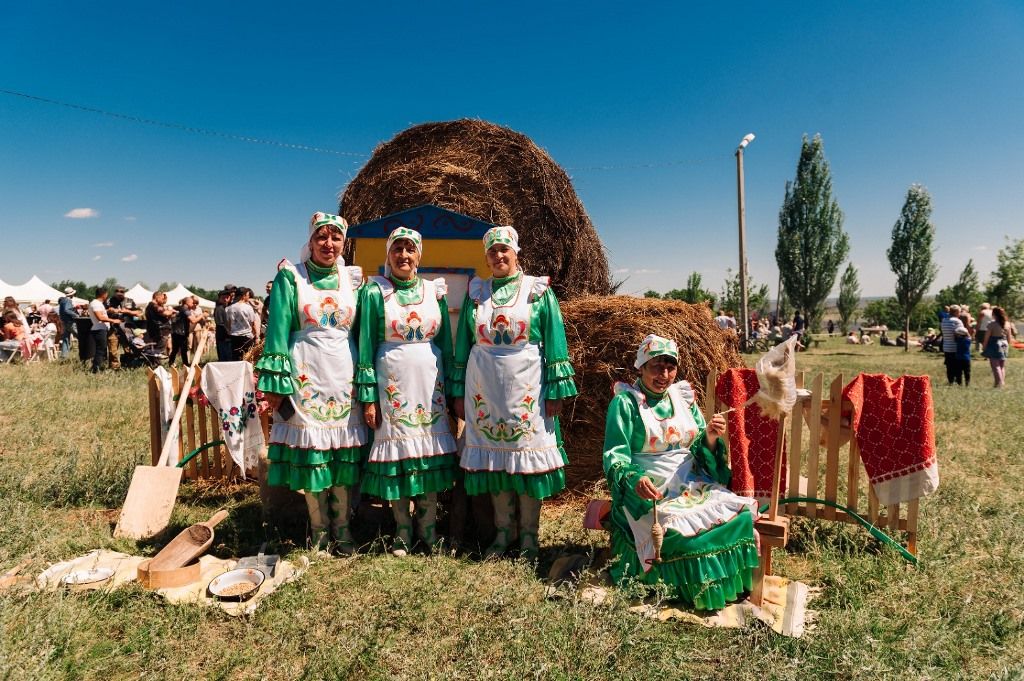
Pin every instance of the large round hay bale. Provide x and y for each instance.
(603, 335)
(493, 174)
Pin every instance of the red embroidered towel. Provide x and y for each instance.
(894, 423)
(752, 436)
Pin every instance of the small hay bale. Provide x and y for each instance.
(493, 174)
(603, 335)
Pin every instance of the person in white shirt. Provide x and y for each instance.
(100, 328)
(243, 323)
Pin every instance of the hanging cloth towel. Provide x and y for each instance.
(752, 435)
(231, 390)
(894, 423)
(163, 378)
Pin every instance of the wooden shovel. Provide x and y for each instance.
(188, 545)
(153, 490)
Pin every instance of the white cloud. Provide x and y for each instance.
(80, 213)
(980, 248)
(621, 270)
(646, 271)
(130, 258)
(103, 244)
(129, 218)
(96, 257)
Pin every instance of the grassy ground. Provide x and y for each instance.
(68, 442)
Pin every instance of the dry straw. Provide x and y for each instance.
(493, 174)
(603, 335)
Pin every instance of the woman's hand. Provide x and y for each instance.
(716, 428)
(552, 407)
(646, 489)
(459, 405)
(274, 400)
(370, 415)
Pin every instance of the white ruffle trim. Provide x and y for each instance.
(440, 287)
(317, 438)
(421, 447)
(513, 461)
(477, 289)
(355, 275)
(539, 286)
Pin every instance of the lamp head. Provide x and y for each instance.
(747, 139)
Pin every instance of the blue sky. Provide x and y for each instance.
(643, 105)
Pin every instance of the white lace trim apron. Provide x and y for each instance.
(506, 426)
(410, 378)
(322, 367)
(691, 504)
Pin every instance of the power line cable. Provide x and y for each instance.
(184, 128)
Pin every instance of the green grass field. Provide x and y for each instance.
(69, 441)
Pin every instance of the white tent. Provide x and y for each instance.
(139, 294)
(35, 290)
(6, 289)
(174, 297)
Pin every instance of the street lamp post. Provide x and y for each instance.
(741, 208)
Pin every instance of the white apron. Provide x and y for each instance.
(691, 504)
(410, 378)
(506, 428)
(322, 367)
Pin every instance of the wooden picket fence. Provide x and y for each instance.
(199, 426)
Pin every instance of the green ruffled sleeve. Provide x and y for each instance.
(712, 462)
(275, 364)
(558, 371)
(622, 426)
(371, 311)
(443, 340)
(464, 340)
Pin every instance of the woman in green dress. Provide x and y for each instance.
(306, 371)
(512, 363)
(405, 350)
(659, 447)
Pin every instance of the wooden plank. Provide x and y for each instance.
(814, 453)
(201, 463)
(709, 394)
(835, 401)
(912, 508)
(795, 449)
(853, 475)
(893, 513)
(211, 453)
(780, 445)
(872, 505)
(154, 419)
(176, 391)
(190, 429)
(218, 471)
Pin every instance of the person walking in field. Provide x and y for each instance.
(952, 327)
(963, 350)
(997, 345)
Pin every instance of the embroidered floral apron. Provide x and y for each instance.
(410, 378)
(691, 504)
(322, 369)
(506, 429)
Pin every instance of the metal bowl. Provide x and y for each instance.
(237, 585)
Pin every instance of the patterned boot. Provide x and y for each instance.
(340, 516)
(403, 530)
(504, 523)
(316, 504)
(426, 517)
(529, 526)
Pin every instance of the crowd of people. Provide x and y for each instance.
(991, 333)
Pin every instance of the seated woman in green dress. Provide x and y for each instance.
(405, 350)
(658, 447)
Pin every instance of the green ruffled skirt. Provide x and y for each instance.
(314, 470)
(707, 570)
(538, 486)
(410, 477)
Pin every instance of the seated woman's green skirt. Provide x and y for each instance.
(707, 570)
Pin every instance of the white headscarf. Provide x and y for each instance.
(501, 235)
(655, 346)
(316, 222)
(401, 233)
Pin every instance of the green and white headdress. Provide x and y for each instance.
(655, 346)
(501, 235)
(401, 233)
(316, 222)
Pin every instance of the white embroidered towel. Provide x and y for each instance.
(167, 405)
(231, 390)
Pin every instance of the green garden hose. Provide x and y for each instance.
(875, 532)
(191, 455)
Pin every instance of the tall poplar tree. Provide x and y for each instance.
(966, 290)
(849, 296)
(1006, 284)
(812, 244)
(910, 255)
